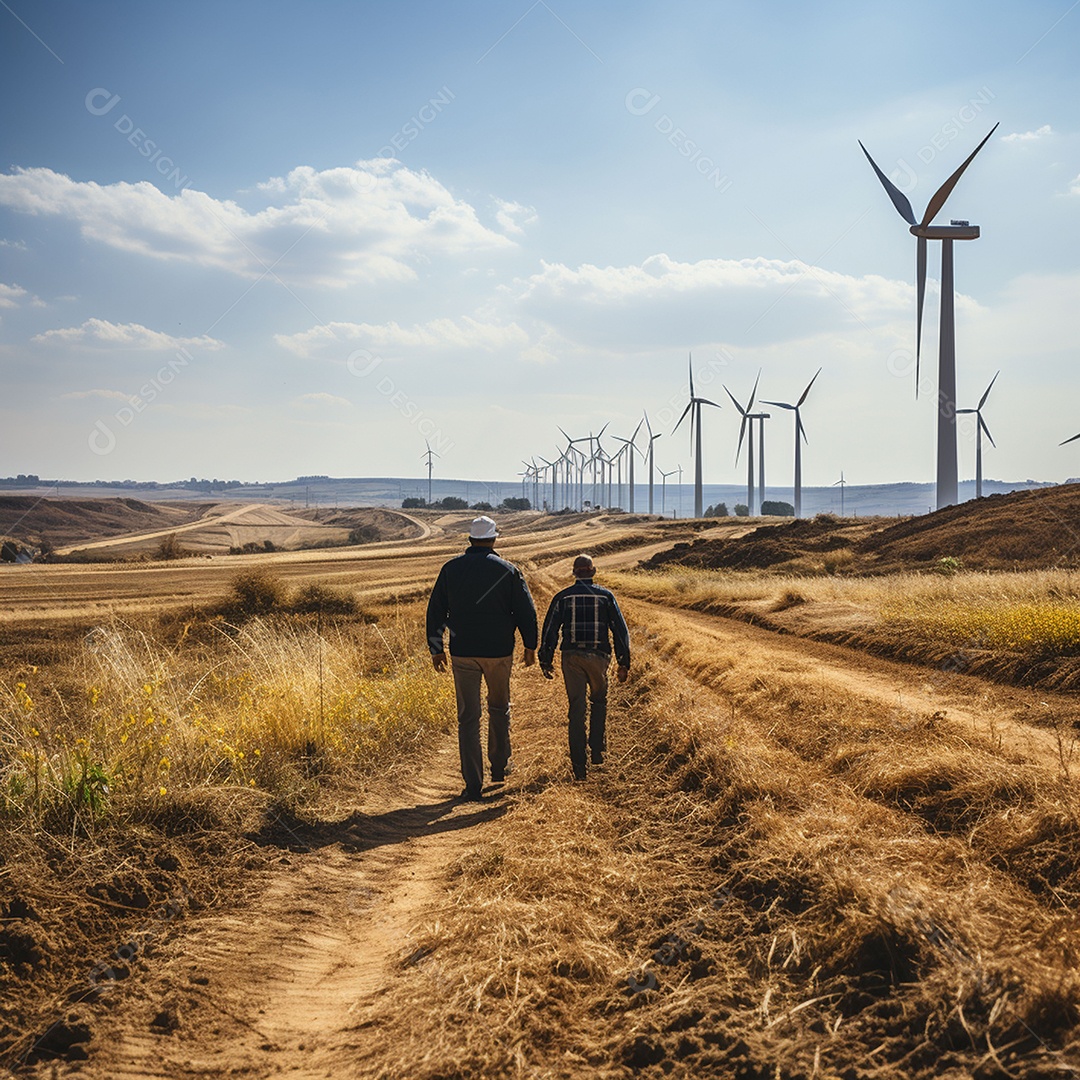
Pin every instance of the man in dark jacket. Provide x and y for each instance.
(588, 617)
(483, 600)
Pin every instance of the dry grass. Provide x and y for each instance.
(761, 882)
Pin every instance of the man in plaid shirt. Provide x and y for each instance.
(588, 617)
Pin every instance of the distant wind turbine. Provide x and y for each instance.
(748, 419)
(841, 482)
(663, 490)
(429, 454)
(694, 407)
(652, 439)
(631, 447)
(980, 427)
(947, 477)
(800, 435)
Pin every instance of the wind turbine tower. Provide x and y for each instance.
(748, 419)
(694, 407)
(800, 435)
(652, 439)
(924, 230)
(980, 427)
(631, 447)
(429, 454)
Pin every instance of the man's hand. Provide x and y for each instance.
(439, 661)
(623, 674)
(530, 657)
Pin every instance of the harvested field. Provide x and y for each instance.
(799, 859)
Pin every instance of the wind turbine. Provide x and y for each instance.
(841, 483)
(663, 490)
(947, 482)
(580, 465)
(980, 427)
(429, 454)
(694, 407)
(652, 439)
(631, 446)
(800, 434)
(748, 419)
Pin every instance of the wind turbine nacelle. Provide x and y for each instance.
(946, 232)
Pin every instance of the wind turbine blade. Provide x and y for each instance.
(733, 398)
(602, 430)
(706, 401)
(636, 430)
(920, 293)
(781, 404)
(943, 192)
(986, 392)
(899, 199)
(799, 429)
(1073, 439)
(807, 390)
(753, 393)
(691, 366)
(982, 424)
(681, 419)
(648, 426)
(742, 432)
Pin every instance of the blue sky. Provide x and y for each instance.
(258, 240)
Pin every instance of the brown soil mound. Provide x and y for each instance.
(27, 519)
(1023, 530)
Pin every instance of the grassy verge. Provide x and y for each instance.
(133, 771)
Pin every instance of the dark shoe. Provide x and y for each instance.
(471, 795)
(597, 758)
(579, 775)
(499, 775)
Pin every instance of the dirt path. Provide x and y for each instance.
(279, 986)
(1003, 715)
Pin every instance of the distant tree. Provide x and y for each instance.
(777, 509)
(515, 504)
(169, 548)
(452, 502)
(482, 506)
(413, 502)
(9, 552)
(742, 510)
(719, 510)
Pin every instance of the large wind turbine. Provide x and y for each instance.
(947, 482)
(652, 439)
(694, 407)
(631, 446)
(980, 427)
(748, 419)
(800, 434)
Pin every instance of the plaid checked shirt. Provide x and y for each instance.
(587, 616)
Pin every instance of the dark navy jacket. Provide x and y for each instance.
(482, 599)
(587, 615)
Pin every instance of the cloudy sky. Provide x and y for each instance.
(263, 239)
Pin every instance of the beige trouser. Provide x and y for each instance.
(585, 675)
(469, 671)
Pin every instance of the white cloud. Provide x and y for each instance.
(366, 222)
(11, 295)
(1028, 136)
(322, 399)
(513, 216)
(336, 340)
(102, 334)
(740, 302)
(1074, 187)
(16, 245)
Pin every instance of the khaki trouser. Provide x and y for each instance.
(585, 675)
(468, 673)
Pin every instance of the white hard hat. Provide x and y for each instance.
(483, 528)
